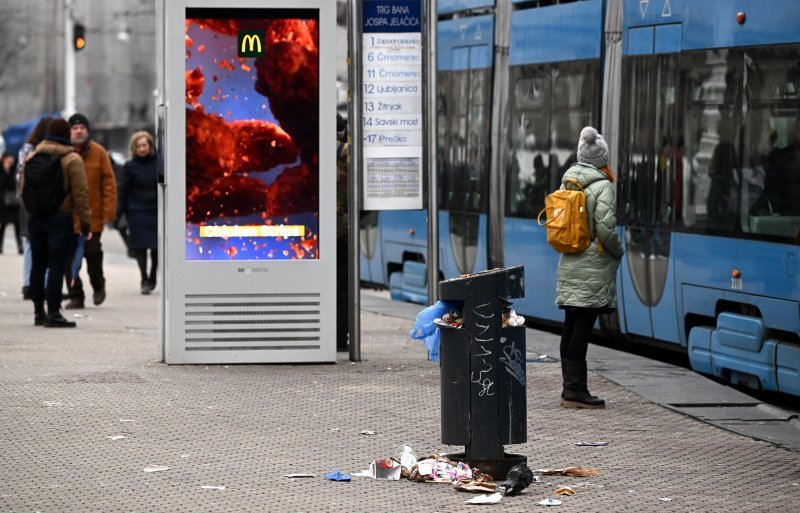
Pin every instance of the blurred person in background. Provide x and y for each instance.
(37, 136)
(9, 213)
(103, 205)
(50, 227)
(138, 200)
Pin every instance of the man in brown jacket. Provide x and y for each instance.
(103, 205)
(52, 233)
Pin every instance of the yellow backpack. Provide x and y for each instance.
(566, 220)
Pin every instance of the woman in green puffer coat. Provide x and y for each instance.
(586, 282)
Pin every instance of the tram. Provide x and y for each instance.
(700, 105)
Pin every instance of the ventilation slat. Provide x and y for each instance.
(252, 322)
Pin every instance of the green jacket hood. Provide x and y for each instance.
(586, 174)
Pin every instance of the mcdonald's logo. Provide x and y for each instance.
(250, 43)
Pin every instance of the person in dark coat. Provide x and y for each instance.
(36, 136)
(51, 234)
(586, 282)
(139, 201)
(9, 214)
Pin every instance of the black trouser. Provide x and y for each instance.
(578, 324)
(93, 253)
(141, 259)
(50, 237)
(342, 288)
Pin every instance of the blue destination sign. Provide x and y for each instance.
(392, 16)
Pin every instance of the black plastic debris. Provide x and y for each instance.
(518, 478)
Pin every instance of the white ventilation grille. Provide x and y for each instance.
(252, 322)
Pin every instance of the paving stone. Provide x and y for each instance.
(64, 392)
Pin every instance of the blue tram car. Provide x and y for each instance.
(700, 104)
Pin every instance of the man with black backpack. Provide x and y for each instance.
(53, 188)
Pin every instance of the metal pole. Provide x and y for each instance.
(429, 120)
(354, 175)
(69, 61)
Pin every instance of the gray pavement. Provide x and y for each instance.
(63, 393)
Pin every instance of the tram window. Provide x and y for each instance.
(770, 186)
(550, 104)
(529, 165)
(712, 84)
(463, 149)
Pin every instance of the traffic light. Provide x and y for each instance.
(79, 36)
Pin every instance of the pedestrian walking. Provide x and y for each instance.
(36, 136)
(9, 199)
(586, 281)
(53, 190)
(138, 201)
(103, 205)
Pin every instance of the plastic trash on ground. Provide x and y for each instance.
(479, 485)
(337, 475)
(407, 458)
(485, 499)
(438, 469)
(549, 502)
(388, 470)
(569, 471)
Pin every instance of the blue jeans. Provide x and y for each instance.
(50, 236)
(27, 262)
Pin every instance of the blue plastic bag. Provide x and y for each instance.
(425, 329)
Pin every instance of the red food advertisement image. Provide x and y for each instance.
(252, 134)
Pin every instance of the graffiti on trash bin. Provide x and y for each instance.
(514, 361)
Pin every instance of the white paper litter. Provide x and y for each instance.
(209, 487)
(665, 499)
(127, 420)
(367, 432)
(299, 474)
(156, 469)
(116, 437)
(363, 473)
(549, 502)
(485, 499)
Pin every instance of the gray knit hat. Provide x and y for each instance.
(592, 148)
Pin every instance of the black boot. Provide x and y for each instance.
(54, 318)
(575, 394)
(38, 313)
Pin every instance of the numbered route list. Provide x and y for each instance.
(392, 105)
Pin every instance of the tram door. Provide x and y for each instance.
(465, 79)
(647, 180)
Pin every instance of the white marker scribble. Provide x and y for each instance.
(485, 383)
(485, 352)
(485, 328)
(476, 312)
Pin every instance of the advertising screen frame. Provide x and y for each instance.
(255, 310)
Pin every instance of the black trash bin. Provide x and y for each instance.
(482, 365)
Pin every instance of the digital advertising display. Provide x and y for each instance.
(252, 134)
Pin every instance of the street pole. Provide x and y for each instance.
(69, 61)
(429, 120)
(354, 176)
